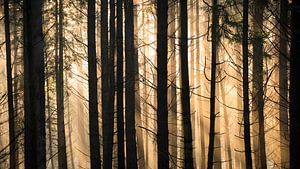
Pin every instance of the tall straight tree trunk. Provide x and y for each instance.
(59, 67)
(294, 86)
(247, 142)
(34, 79)
(215, 41)
(162, 89)
(131, 150)
(138, 111)
(283, 85)
(258, 91)
(172, 96)
(11, 111)
(198, 79)
(120, 92)
(185, 88)
(92, 81)
(16, 87)
(107, 67)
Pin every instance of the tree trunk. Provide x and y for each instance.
(11, 111)
(294, 87)
(131, 152)
(215, 41)
(107, 61)
(283, 85)
(34, 94)
(172, 96)
(258, 91)
(162, 92)
(92, 84)
(120, 93)
(185, 88)
(59, 68)
(138, 114)
(247, 142)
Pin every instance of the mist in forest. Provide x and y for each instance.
(149, 84)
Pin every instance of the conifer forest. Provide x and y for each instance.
(149, 84)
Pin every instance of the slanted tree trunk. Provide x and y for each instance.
(120, 92)
(34, 79)
(59, 68)
(283, 84)
(258, 91)
(247, 142)
(185, 89)
(11, 111)
(162, 89)
(294, 86)
(131, 150)
(215, 41)
(92, 81)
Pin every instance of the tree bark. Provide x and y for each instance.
(162, 92)
(59, 68)
(92, 84)
(34, 94)
(247, 142)
(258, 91)
(215, 41)
(185, 88)
(131, 150)
(294, 86)
(120, 91)
(283, 84)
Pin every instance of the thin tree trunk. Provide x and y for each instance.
(11, 111)
(120, 92)
(185, 89)
(59, 66)
(294, 87)
(198, 79)
(172, 97)
(92, 81)
(131, 150)
(215, 41)
(34, 94)
(138, 114)
(283, 85)
(246, 113)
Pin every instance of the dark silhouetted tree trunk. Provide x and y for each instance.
(162, 92)
(131, 150)
(247, 142)
(294, 86)
(34, 79)
(11, 111)
(92, 81)
(59, 68)
(215, 41)
(120, 93)
(283, 84)
(107, 67)
(258, 91)
(185, 89)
